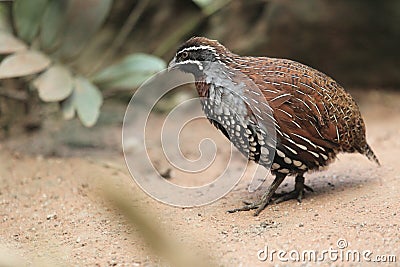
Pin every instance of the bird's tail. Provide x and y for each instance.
(367, 151)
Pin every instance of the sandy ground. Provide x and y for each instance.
(52, 208)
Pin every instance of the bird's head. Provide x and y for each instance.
(194, 55)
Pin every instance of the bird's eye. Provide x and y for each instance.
(184, 55)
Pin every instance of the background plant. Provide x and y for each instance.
(42, 46)
(47, 48)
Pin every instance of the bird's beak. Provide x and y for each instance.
(171, 64)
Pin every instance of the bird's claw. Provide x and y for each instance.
(257, 205)
(291, 195)
(309, 189)
(248, 206)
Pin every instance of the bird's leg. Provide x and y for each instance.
(297, 193)
(265, 199)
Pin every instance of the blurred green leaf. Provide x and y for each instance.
(23, 63)
(5, 21)
(211, 6)
(27, 16)
(203, 3)
(130, 72)
(87, 101)
(9, 44)
(52, 24)
(84, 18)
(55, 84)
(68, 108)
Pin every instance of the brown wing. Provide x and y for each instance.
(303, 122)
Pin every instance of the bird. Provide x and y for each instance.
(313, 116)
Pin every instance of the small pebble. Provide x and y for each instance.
(51, 216)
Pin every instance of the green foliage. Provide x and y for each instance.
(53, 21)
(83, 19)
(86, 100)
(132, 71)
(211, 6)
(55, 84)
(23, 63)
(27, 15)
(51, 36)
(203, 3)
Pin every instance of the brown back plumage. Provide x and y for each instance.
(302, 96)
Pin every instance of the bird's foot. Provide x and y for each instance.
(265, 199)
(297, 193)
(247, 206)
(259, 206)
(278, 195)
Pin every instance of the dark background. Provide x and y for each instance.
(355, 41)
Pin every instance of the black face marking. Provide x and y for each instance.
(192, 59)
(196, 53)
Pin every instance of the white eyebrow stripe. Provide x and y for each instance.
(189, 61)
(201, 47)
